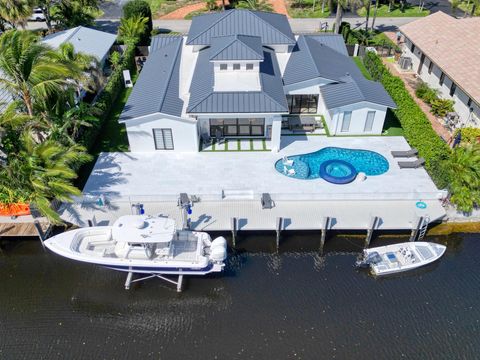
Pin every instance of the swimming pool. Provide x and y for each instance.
(307, 166)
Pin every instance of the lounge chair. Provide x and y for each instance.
(411, 164)
(408, 153)
(267, 202)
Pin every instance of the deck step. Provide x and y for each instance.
(237, 194)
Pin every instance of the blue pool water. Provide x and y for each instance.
(307, 166)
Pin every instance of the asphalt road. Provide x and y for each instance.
(298, 25)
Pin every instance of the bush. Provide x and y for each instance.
(469, 135)
(108, 97)
(140, 8)
(440, 107)
(417, 129)
(426, 93)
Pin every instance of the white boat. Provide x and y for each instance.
(396, 258)
(143, 244)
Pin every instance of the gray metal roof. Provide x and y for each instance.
(236, 47)
(355, 91)
(161, 41)
(271, 99)
(157, 87)
(89, 41)
(311, 59)
(5, 99)
(272, 28)
(333, 41)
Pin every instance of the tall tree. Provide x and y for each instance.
(368, 5)
(132, 29)
(140, 8)
(15, 12)
(342, 5)
(374, 15)
(30, 72)
(39, 173)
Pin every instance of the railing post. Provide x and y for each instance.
(233, 224)
(279, 226)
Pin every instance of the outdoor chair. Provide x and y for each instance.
(267, 202)
(408, 153)
(411, 164)
(286, 161)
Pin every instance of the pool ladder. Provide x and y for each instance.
(423, 228)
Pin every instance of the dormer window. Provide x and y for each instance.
(249, 66)
(223, 66)
(236, 66)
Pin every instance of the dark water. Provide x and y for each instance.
(296, 305)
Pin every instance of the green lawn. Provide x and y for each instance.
(358, 60)
(112, 137)
(304, 9)
(466, 6)
(195, 13)
(392, 126)
(382, 11)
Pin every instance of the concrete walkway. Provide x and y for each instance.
(409, 79)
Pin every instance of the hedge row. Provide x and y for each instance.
(107, 98)
(417, 128)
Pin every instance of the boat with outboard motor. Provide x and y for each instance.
(396, 258)
(143, 244)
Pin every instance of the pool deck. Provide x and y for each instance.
(230, 184)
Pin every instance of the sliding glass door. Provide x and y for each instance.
(237, 127)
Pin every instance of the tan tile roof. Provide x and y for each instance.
(453, 45)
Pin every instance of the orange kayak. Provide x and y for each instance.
(17, 209)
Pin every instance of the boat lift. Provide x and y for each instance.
(129, 280)
(185, 205)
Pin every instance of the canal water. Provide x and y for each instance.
(291, 305)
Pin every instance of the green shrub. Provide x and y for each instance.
(426, 93)
(469, 135)
(417, 128)
(108, 96)
(440, 107)
(140, 8)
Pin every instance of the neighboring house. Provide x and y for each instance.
(446, 55)
(242, 73)
(88, 41)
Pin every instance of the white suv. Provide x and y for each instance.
(37, 15)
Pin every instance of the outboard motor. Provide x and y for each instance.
(218, 250)
(366, 261)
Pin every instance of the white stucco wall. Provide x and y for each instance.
(334, 118)
(433, 80)
(140, 133)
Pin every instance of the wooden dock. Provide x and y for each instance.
(23, 227)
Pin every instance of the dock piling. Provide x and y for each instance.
(40, 232)
(233, 222)
(371, 227)
(325, 222)
(278, 228)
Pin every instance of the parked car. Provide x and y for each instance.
(37, 15)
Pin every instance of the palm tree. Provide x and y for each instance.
(258, 5)
(341, 6)
(132, 29)
(65, 128)
(87, 68)
(15, 12)
(30, 72)
(374, 14)
(39, 173)
(464, 170)
(363, 36)
(368, 5)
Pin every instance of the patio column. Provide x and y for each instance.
(276, 134)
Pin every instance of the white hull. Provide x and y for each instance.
(160, 249)
(403, 257)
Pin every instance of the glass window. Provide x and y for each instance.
(453, 88)
(223, 66)
(430, 67)
(302, 104)
(347, 116)
(442, 79)
(236, 66)
(469, 102)
(412, 47)
(369, 121)
(163, 139)
(249, 66)
(237, 127)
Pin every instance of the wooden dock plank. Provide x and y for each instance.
(21, 229)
